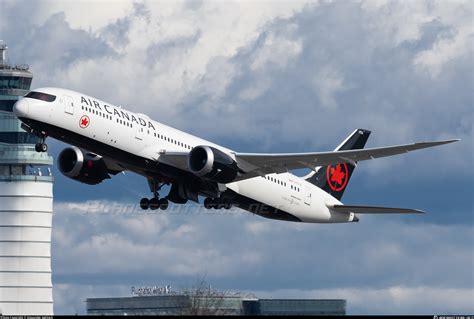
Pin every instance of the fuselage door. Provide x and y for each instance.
(139, 132)
(307, 195)
(68, 104)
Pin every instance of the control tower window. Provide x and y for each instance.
(41, 96)
(15, 82)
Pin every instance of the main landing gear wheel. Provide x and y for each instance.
(209, 203)
(154, 203)
(163, 203)
(144, 203)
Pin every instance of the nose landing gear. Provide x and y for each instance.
(41, 146)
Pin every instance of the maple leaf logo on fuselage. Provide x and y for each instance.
(84, 121)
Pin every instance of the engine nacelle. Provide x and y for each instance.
(83, 167)
(212, 164)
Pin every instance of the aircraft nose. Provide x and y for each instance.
(21, 108)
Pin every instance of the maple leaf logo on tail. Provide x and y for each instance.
(337, 176)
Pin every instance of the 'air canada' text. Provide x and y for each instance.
(117, 112)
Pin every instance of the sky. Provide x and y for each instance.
(269, 76)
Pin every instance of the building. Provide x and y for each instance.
(189, 304)
(26, 205)
(294, 307)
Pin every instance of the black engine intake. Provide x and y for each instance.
(83, 167)
(212, 164)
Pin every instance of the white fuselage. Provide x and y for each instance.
(137, 134)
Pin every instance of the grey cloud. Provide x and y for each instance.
(238, 251)
(117, 33)
(140, 9)
(161, 51)
(51, 47)
(342, 79)
(61, 46)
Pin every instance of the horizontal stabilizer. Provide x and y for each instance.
(374, 210)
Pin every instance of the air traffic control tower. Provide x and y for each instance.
(26, 205)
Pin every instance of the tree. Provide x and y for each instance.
(205, 301)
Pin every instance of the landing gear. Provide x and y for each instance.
(154, 203)
(217, 203)
(41, 147)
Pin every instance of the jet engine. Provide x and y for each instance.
(84, 167)
(212, 164)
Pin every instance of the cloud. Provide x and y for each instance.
(238, 251)
(284, 77)
(328, 83)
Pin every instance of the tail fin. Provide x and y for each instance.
(334, 178)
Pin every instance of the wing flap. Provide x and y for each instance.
(374, 210)
(176, 159)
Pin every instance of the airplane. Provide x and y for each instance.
(107, 140)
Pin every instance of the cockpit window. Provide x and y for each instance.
(41, 96)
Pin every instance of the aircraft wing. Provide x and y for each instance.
(258, 164)
(255, 164)
(374, 210)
